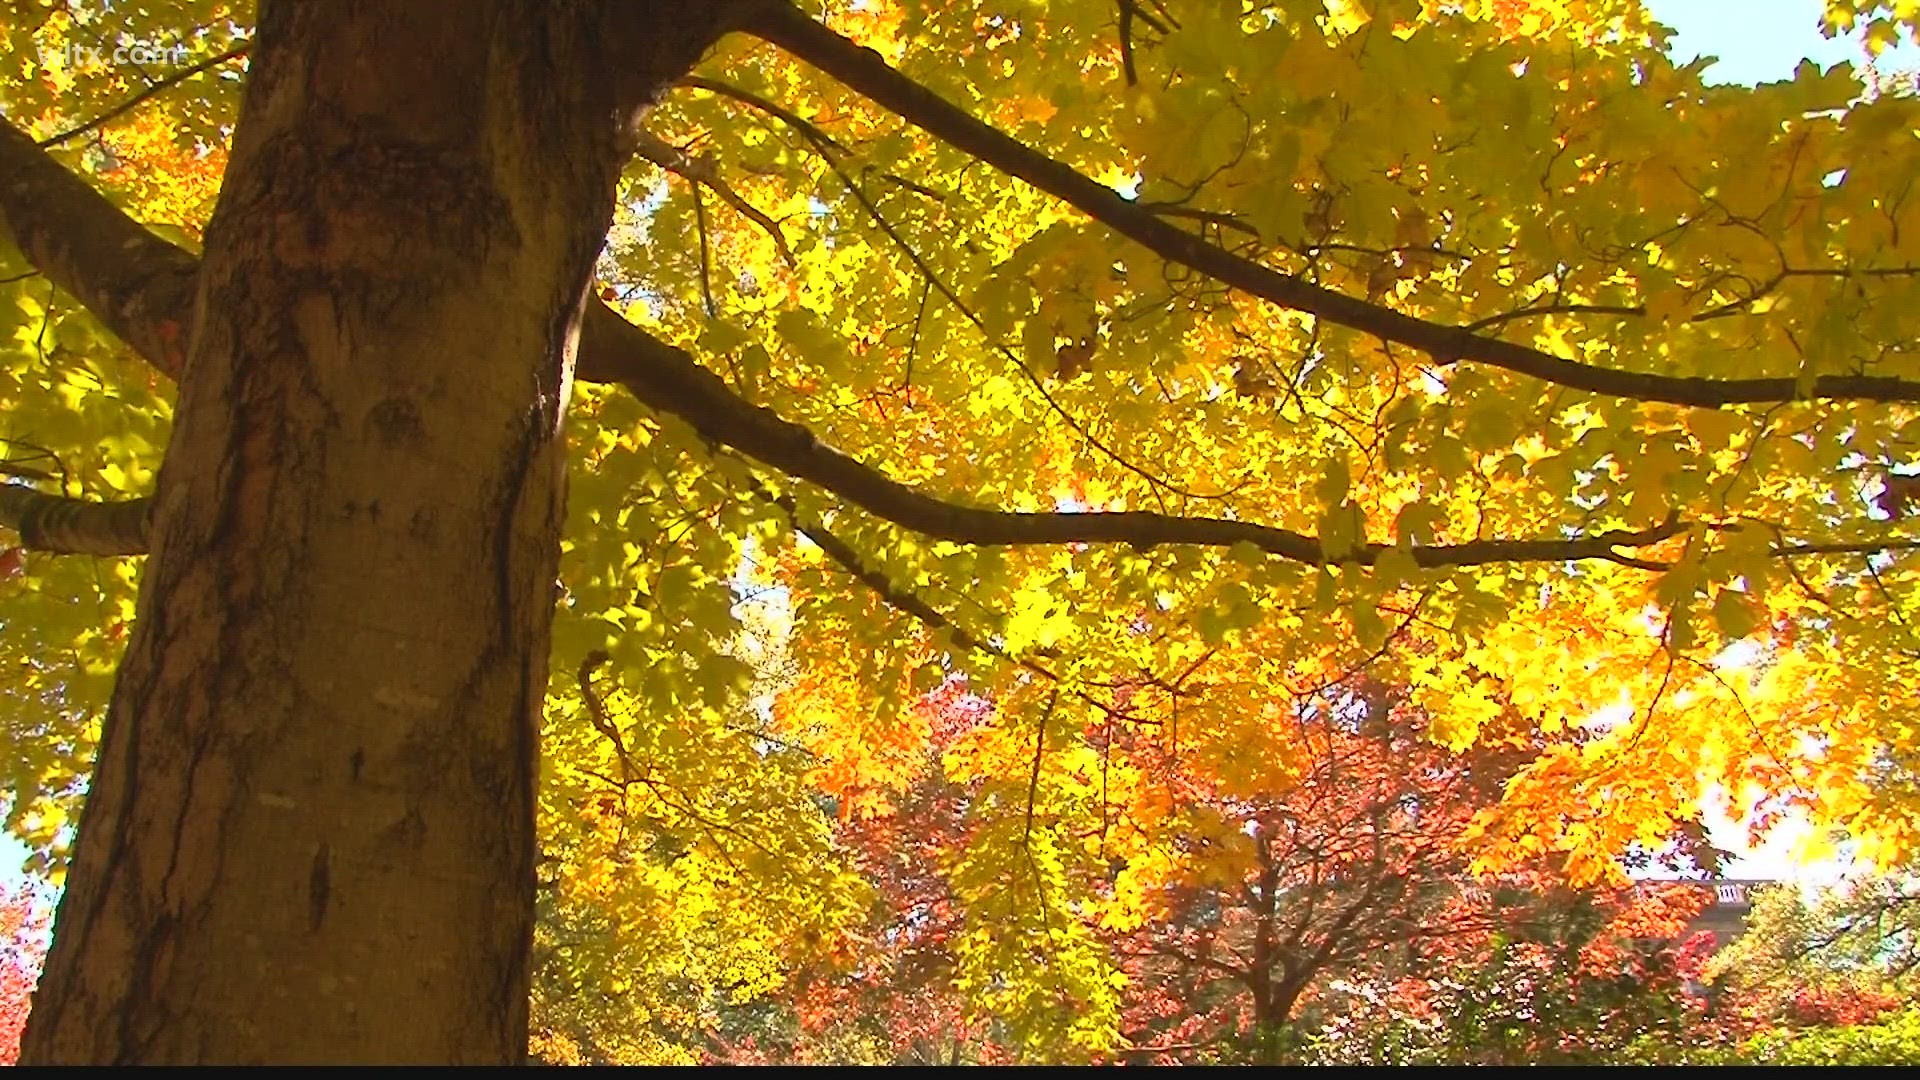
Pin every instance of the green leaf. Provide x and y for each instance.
(1334, 481)
(1735, 613)
(1680, 630)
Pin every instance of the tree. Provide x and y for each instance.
(1564, 976)
(681, 878)
(1843, 958)
(1092, 346)
(892, 994)
(1357, 859)
(23, 928)
(1331, 914)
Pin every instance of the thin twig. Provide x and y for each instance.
(706, 267)
(700, 172)
(135, 101)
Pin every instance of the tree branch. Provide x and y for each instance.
(882, 586)
(668, 379)
(74, 526)
(139, 285)
(865, 72)
(157, 87)
(698, 171)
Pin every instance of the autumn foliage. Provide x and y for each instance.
(1259, 923)
(1358, 853)
(23, 945)
(1114, 532)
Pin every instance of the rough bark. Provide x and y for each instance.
(309, 835)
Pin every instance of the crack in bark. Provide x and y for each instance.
(319, 891)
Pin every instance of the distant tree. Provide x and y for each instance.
(893, 996)
(1843, 956)
(1243, 890)
(1353, 861)
(1567, 976)
(23, 947)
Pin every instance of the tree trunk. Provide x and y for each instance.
(1273, 1020)
(309, 835)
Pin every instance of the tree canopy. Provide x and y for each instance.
(1147, 368)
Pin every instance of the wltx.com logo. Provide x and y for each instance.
(135, 53)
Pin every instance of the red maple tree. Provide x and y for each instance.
(23, 924)
(1354, 865)
(1329, 913)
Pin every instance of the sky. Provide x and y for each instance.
(1755, 41)
(1760, 40)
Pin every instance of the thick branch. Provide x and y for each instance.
(669, 379)
(74, 526)
(139, 285)
(143, 283)
(865, 72)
